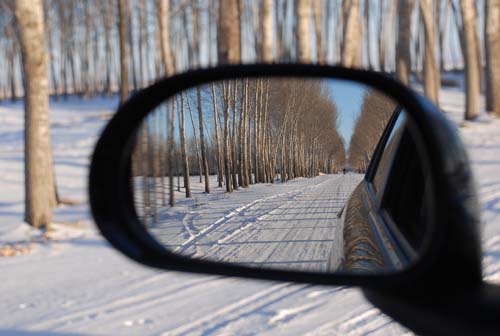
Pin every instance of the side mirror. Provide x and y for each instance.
(300, 173)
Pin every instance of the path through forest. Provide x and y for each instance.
(292, 225)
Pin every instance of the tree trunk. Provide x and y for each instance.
(472, 77)
(86, 56)
(39, 183)
(133, 60)
(492, 56)
(203, 150)
(217, 137)
(403, 55)
(303, 31)
(228, 33)
(234, 143)
(267, 31)
(198, 154)
(196, 34)
(171, 108)
(185, 158)
(163, 13)
(107, 16)
(141, 40)
(227, 145)
(122, 26)
(381, 37)
(432, 81)
(318, 28)
(367, 34)
(351, 50)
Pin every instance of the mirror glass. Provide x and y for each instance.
(270, 173)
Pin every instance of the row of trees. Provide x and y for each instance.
(373, 118)
(249, 131)
(99, 47)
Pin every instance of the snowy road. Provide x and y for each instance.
(295, 229)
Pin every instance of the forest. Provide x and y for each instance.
(55, 49)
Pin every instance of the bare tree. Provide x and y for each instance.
(303, 31)
(318, 6)
(403, 55)
(163, 23)
(107, 13)
(472, 77)
(39, 178)
(185, 158)
(381, 35)
(351, 45)
(367, 34)
(170, 110)
(226, 106)
(217, 137)
(228, 32)
(122, 26)
(432, 81)
(203, 149)
(267, 29)
(492, 46)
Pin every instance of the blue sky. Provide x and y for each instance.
(348, 97)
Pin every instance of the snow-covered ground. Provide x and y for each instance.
(76, 284)
(292, 225)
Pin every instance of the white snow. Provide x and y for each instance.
(282, 225)
(76, 284)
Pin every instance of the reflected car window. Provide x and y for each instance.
(388, 153)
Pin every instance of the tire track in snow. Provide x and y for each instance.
(370, 321)
(209, 324)
(135, 302)
(326, 197)
(221, 221)
(228, 319)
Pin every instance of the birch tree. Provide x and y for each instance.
(432, 81)
(472, 77)
(163, 26)
(492, 46)
(403, 55)
(351, 45)
(185, 158)
(318, 7)
(39, 178)
(122, 27)
(303, 31)
(267, 29)
(203, 149)
(228, 33)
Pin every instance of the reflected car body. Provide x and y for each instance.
(380, 233)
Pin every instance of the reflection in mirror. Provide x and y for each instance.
(269, 173)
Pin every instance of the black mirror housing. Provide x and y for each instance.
(450, 261)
